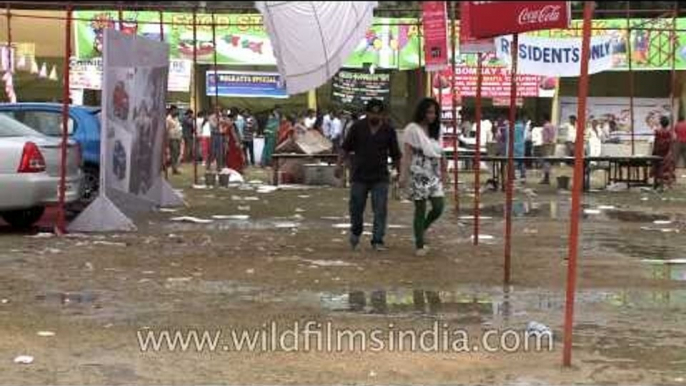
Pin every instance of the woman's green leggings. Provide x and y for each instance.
(422, 222)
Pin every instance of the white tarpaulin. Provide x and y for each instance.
(556, 57)
(132, 139)
(313, 39)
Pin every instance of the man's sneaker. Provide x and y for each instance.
(422, 252)
(379, 247)
(354, 241)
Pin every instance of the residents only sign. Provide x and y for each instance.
(557, 57)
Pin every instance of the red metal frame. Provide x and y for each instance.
(577, 188)
(195, 100)
(477, 153)
(456, 162)
(510, 161)
(60, 227)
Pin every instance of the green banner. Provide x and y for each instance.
(241, 38)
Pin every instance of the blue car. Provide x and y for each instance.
(84, 128)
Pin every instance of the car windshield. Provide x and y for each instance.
(12, 128)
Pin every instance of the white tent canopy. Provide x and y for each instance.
(313, 39)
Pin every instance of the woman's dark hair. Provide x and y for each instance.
(420, 115)
(664, 122)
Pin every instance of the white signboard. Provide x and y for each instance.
(133, 131)
(87, 74)
(555, 57)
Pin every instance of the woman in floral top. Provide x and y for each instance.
(422, 165)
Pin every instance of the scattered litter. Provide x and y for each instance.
(341, 226)
(366, 233)
(330, 263)
(283, 225)
(190, 219)
(299, 210)
(173, 236)
(200, 187)
(592, 211)
(606, 207)
(23, 359)
(372, 373)
(4, 301)
(393, 226)
(142, 281)
(109, 243)
(46, 333)
(231, 217)
(617, 187)
(304, 196)
(297, 217)
(267, 189)
(528, 231)
(644, 198)
(309, 250)
(530, 192)
(53, 251)
(669, 230)
(168, 210)
(472, 218)
(536, 327)
(179, 279)
(234, 176)
(148, 272)
(484, 237)
(88, 265)
(336, 240)
(245, 208)
(250, 271)
(251, 198)
(78, 236)
(662, 222)
(236, 198)
(669, 261)
(42, 235)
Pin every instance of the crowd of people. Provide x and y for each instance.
(225, 138)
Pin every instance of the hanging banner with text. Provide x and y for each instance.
(558, 57)
(435, 35)
(468, 43)
(357, 88)
(86, 74)
(495, 18)
(245, 84)
(496, 84)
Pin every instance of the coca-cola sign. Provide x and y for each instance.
(495, 18)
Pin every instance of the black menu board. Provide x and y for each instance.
(351, 87)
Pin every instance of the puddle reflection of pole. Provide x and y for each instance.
(477, 153)
(61, 228)
(577, 186)
(166, 138)
(510, 159)
(194, 71)
(454, 106)
(216, 76)
(673, 41)
(630, 54)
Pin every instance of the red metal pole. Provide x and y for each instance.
(673, 39)
(456, 163)
(61, 222)
(195, 99)
(166, 137)
(477, 154)
(121, 18)
(420, 73)
(216, 75)
(510, 160)
(577, 186)
(630, 55)
(161, 25)
(9, 42)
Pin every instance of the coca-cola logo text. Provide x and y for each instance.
(547, 14)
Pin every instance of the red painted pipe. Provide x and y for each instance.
(577, 187)
(61, 222)
(510, 160)
(477, 154)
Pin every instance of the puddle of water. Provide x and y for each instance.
(672, 272)
(232, 224)
(67, 298)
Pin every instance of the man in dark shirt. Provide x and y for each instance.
(372, 141)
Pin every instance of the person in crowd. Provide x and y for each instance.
(372, 141)
(528, 142)
(520, 146)
(174, 135)
(502, 129)
(594, 138)
(270, 135)
(187, 129)
(570, 130)
(336, 131)
(664, 172)
(548, 142)
(680, 143)
(205, 138)
(239, 122)
(248, 138)
(286, 130)
(234, 151)
(327, 120)
(217, 141)
(300, 126)
(310, 119)
(421, 168)
(199, 122)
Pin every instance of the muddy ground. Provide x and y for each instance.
(290, 262)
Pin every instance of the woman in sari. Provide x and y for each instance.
(234, 151)
(270, 132)
(286, 131)
(664, 172)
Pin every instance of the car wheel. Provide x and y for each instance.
(23, 218)
(91, 183)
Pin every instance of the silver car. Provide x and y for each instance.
(30, 172)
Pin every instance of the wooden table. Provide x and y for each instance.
(637, 168)
(277, 157)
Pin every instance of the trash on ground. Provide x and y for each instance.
(88, 265)
(109, 243)
(24, 359)
(42, 235)
(179, 279)
(46, 333)
(200, 187)
(168, 210)
(592, 211)
(283, 225)
(668, 261)
(484, 237)
(250, 271)
(536, 327)
(251, 198)
(304, 196)
(330, 263)
(606, 207)
(299, 210)
(267, 189)
(4, 301)
(618, 187)
(662, 222)
(244, 208)
(191, 219)
(472, 218)
(231, 217)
